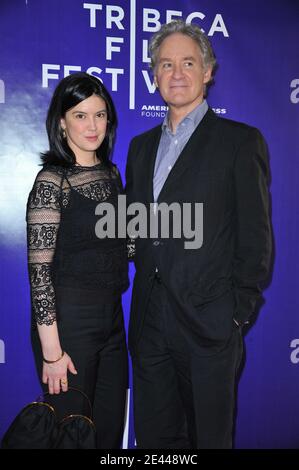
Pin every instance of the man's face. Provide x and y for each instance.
(179, 73)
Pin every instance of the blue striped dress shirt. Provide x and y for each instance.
(171, 145)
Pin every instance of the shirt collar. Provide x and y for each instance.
(194, 117)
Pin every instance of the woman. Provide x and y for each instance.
(76, 278)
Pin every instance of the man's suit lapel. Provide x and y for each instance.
(194, 147)
(149, 166)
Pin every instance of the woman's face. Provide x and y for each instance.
(85, 126)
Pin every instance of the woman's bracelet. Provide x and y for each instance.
(52, 362)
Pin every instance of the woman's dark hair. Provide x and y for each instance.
(68, 93)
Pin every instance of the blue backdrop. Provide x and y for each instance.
(256, 44)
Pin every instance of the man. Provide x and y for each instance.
(189, 305)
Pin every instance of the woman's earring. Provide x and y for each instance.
(63, 133)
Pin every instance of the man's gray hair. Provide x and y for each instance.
(191, 30)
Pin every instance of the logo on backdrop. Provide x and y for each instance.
(2, 352)
(114, 16)
(150, 111)
(294, 96)
(295, 353)
(158, 111)
(2, 91)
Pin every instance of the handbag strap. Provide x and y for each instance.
(41, 398)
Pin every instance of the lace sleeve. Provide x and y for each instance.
(131, 248)
(43, 218)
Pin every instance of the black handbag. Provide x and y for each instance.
(37, 427)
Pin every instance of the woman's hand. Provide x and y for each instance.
(55, 375)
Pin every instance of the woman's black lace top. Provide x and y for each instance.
(63, 249)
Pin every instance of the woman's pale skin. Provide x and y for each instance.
(85, 127)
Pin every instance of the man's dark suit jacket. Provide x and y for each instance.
(224, 165)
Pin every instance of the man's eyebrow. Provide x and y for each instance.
(167, 59)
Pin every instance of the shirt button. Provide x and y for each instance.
(156, 243)
(169, 168)
(175, 141)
